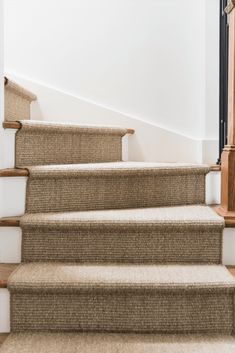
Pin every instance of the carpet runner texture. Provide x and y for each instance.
(190, 234)
(39, 143)
(117, 185)
(122, 298)
(116, 343)
(115, 248)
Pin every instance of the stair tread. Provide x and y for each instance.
(116, 343)
(52, 276)
(185, 215)
(129, 168)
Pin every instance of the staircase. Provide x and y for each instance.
(117, 256)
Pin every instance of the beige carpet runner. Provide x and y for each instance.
(118, 257)
(40, 143)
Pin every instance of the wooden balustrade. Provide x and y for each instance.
(227, 207)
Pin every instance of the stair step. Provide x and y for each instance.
(122, 298)
(116, 343)
(42, 143)
(114, 186)
(168, 234)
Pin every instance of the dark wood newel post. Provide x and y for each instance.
(227, 207)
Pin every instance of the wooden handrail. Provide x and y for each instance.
(227, 207)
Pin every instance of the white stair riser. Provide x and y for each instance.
(213, 180)
(10, 245)
(7, 159)
(229, 246)
(12, 196)
(4, 310)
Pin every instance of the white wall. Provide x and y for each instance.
(1, 78)
(155, 60)
(1, 60)
(149, 143)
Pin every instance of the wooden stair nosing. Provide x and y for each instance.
(215, 168)
(10, 222)
(11, 125)
(14, 172)
(17, 125)
(5, 272)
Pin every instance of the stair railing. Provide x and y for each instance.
(227, 207)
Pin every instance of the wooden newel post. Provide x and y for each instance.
(227, 208)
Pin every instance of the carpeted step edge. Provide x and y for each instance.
(19, 90)
(116, 343)
(119, 169)
(32, 278)
(36, 126)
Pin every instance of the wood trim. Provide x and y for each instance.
(227, 207)
(229, 217)
(5, 271)
(215, 168)
(11, 125)
(231, 270)
(3, 336)
(14, 172)
(10, 222)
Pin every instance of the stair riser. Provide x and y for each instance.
(7, 153)
(10, 245)
(125, 311)
(114, 192)
(107, 244)
(42, 149)
(15, 189)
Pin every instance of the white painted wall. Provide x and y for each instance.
(149, 143)
(155, 60)
(1, 81)
(1, 60)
